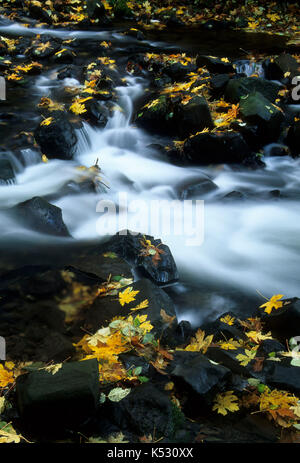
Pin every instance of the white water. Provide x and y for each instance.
(253, 244)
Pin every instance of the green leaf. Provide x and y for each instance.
(261, 388)
(143, 379)
(295, 362)
(253, 382)
(137, 371)
(118, 393)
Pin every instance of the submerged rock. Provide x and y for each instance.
(41, 216)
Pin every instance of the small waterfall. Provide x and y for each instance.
(249, 68)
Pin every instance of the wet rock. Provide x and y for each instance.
(41, 216)
(198, 189)
(105, 308)
(228, 359)
(69, 72)
(57, 140)
(177, 335)
(215, 148)
(146, 408)
(283, 375)
(220, 329)
(6, 171)
(166, 117)
(132, 32)
(130, 247)
(39, 13)
(158, 117)
(283, 322)
(234, 195)
(218, 84)
(276, 68)
(293, 139)
(64, 56)
(195, 370)
(268, 346)
(237, 88)
(192, 117)
(44, 47)
(95, 9)
(56, 401)
(214, 64)
(96, 113)
(178, 72)
(255, 109)
(94, 262)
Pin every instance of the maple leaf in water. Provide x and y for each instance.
(274, 302)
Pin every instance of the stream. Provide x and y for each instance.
(250, 244)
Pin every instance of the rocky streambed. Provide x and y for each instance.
(135, 338)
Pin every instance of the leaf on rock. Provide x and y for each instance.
(274, 302)
(225, 403)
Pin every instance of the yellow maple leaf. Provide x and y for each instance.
(78, 108)
(273, 303)
(127, 296)
(53, 369)
(226, 402)
(228, 320)
(246, 358)
(142, 305)
(257, 336)
(47, 121)
(229, 345)
(200, 342)
(6, 377)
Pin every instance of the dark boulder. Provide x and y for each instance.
(293, 139)
(178, 71)
(192, 117)
(218, 84)
(95, 9)
(157, 117)
(221, 329)
(216, 147)
(255, 109)
(96, 113)
(44, 47)
(237, 88)
(144, 410)
(57, 140)
(283, 375)
(56, 401)
(160, 268)
(276, 68)
(64, 56)
(104, 309)
(215, 65)
(41, 216)
(196, 370)
(283, 322)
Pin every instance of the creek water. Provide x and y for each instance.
(249, 244)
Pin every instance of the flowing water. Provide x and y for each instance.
(249, 244)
